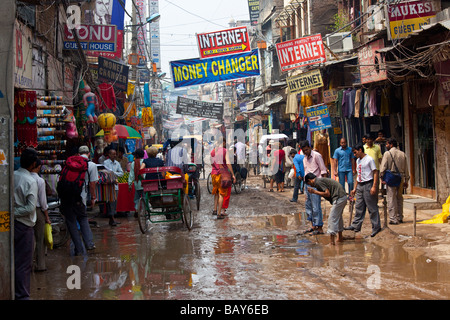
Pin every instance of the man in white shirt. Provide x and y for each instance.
(366, 190)
(41, 219)
(240, 151)
(112, 164)
(25, 199)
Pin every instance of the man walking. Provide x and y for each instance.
(313, 163)
(373, 150)
(343, 164)
(332, 191)
(73, 207)
(112, 164)
(25, 199)
(299, 175)
(366, 190)
(395, 161)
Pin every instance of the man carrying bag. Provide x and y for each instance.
(395, 174)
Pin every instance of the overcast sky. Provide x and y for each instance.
(182, 19)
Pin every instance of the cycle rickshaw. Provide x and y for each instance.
(164, 199)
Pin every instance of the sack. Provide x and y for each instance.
(291, 174)
(392, 179)
(225, 178)
(48, 237)
(72, 179)
(244, 173)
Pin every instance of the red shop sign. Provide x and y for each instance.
(224, 42)
(301, 52)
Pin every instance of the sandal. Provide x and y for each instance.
(309, 230)
(214, 213)
(270, 190)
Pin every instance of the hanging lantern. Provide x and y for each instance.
(106, 121)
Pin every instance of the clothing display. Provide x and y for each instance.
(106, 98)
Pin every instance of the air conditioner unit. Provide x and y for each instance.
(339, 42)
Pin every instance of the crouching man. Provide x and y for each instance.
(332, 191)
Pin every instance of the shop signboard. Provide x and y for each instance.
(23, 67)
(372, 67)
(305, 81)
(107, 12)
(408, 16)
(219, 43)
(223, 68)
(253, 9)
(110, 71)
(301, 52)
(330, 95)
(202, 109)
(318, 117)
(94, 37)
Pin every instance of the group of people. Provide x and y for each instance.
(368, 164)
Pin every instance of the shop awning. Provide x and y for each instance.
(275, 87)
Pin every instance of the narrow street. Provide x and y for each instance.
(258, 253)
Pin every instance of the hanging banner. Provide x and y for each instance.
(305, 81)
(406, 17)
(220, 43)
(200, 71)
(200, 109)
(318, 117)
(372, 67)
(301, 52)
(112, 72)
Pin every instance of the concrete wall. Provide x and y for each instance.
(7, 61)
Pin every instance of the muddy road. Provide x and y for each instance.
(258, 252)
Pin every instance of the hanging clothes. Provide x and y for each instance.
(147, 98)
(366, 104)
(384, 110)
(291, 103)
(357, 102)
(339, 99)
(106, 98)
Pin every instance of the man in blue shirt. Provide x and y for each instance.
(343, 164)
(299, 174)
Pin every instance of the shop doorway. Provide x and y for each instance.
(423, 177)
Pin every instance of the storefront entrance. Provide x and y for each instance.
(423, 178)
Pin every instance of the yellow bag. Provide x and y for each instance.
(48, 236)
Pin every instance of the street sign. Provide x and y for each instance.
(301, 52)
(111, 71)
(213, 110)
(219, 43)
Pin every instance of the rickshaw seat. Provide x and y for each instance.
(166, 184)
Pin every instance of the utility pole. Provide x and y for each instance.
(7, 63)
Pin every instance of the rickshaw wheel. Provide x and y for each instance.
(238, 184)
(187, 213)
(209, 183)
(143, 219)
(197, 193)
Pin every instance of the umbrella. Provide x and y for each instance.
(124, 132)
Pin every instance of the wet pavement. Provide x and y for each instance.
(258, 252)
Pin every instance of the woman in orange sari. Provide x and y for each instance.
(220, 163)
